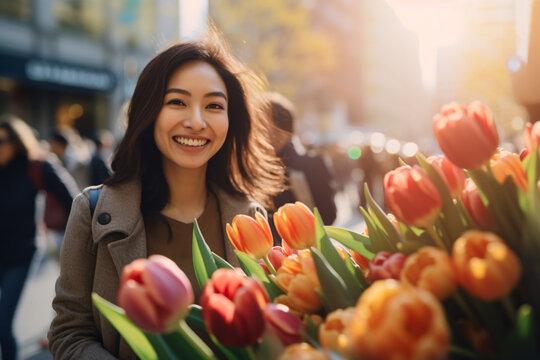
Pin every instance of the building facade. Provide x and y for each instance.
(74, 63)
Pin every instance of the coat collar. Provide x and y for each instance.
(122, 203)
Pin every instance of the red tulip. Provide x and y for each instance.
(295, 223)
(275, 256)
(386, 266)
(249, 235)
(232, 308)
(475, 206)
(155, 294)
(531, 135)
(412, 197)
(284, 323)
(467, 136)
(453, 176)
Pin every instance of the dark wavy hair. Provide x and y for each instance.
(245, 164)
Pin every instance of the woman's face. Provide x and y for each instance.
(193, 122)
(7, 147)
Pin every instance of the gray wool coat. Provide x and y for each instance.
(92, 258)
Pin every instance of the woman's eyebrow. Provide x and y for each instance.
(185, 92)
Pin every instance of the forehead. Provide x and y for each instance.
(196, 74)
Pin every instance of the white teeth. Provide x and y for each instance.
(190, 142)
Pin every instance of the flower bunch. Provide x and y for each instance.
(452, 270)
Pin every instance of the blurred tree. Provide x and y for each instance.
(275, 37)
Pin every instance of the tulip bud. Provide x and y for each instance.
(295, 223)
(453, 176)
(361, 261)
(412, 197)
(467, 136)
(484, 265)
(475, 206)
(505, 164)
(284, 323)
(386, 266)
(275, 256)
(332, 332)
(430, 269)
(232, 308)
(523, 154)
(395, 321)
(302, 351)
(155, 294)
(531, 135)
(251, 236)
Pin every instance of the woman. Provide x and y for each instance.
(195, 148)
(19, 155)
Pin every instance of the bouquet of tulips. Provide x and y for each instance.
(452, 272)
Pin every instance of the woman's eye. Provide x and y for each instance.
(215, 106)
(175, 102)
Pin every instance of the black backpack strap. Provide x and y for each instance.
(94, 197)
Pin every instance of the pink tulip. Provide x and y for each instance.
(467, 136)
(275, 256)
(475, 206)
(232, 308)
(284, 323)
(412, 197)
(453, 176)
(531, 135)
(386, 266)
(155, 294)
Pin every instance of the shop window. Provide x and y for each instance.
(88, 17)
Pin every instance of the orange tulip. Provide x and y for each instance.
(412, 197)
(505, 164)
(475, 206)
(155, 294)
(297, 277)
(361, 261)
(295, 223)
(386, 265)
(431, 269)
(249, 235)
(531, 135)
(302, 351)
(453, 176)
(467, 136)
(484, 265)
(332, 331)
(395, 321)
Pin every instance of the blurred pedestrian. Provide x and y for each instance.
(309, 179)
(196, 147)
(20, 153)
(99, 167)
(74, 152)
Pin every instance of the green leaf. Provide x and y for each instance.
(330, 253)
(394, 237)
(522, 337)
(203, 260)
(164, 351)
(194, 317)
(333, 286)
(355, 269)
(221, 262)
(134, 336)
(352, 240)
(252, 268)
(312, 332)
(378, 242)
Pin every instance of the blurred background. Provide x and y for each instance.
(366, 76)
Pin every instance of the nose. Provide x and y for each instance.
(195, 121)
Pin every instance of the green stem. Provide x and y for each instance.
(250, 353)
(438, 241)
(466, 309)
(198, 345)
(269, 264)
(509, 308)
(464, 213)
(463, 352)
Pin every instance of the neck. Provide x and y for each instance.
(187, 188)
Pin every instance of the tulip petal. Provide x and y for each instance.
(139, 307)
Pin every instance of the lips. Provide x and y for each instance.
(190, 141)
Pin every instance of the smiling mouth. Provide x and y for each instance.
(190, 141)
